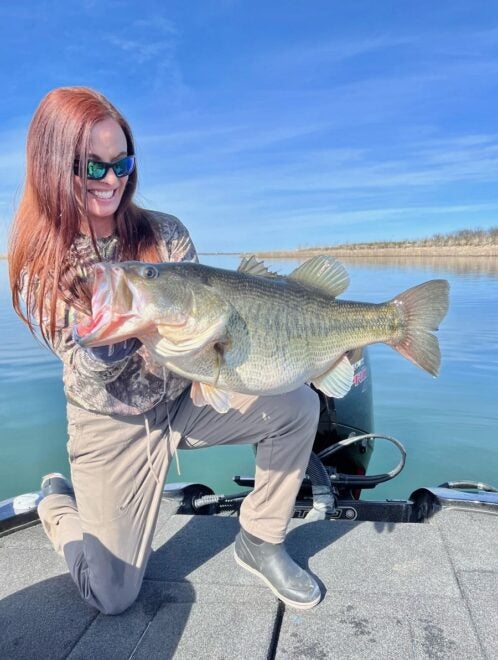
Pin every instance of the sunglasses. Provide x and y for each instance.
(97, 170)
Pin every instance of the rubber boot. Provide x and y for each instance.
(270, 561)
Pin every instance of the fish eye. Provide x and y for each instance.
(150, 272)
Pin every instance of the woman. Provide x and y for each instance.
(127, 416)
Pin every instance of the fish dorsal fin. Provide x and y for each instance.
(251, 266)
(323, 273)
(338, 380)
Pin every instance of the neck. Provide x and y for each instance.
(102, 227)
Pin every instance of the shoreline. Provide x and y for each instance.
(371, 251)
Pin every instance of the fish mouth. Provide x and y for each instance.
(112, 309)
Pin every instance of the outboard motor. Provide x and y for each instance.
(345, 418)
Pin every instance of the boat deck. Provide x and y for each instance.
(401, 590)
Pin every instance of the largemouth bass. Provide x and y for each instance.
(255, 332)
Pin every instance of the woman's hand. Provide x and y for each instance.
(113, 352)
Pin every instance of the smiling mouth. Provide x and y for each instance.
(103, 194)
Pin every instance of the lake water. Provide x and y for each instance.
(449, 425)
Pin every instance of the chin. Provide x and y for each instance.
(103, 214)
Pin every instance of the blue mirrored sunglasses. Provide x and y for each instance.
(96, 169)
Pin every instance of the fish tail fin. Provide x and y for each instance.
(423, 307)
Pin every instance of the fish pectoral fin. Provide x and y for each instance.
(203, 394)
(337, 381)
(251, 266)
(323, 273)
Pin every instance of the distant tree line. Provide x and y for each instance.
(462, 237)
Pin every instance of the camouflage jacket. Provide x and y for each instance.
(135, 384)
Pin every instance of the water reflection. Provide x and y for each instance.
(460, 265)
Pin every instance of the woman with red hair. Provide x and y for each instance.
(127, 415)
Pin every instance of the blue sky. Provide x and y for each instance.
(272, 124)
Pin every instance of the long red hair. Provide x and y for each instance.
(50, 215)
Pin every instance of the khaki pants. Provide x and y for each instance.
(105, 532)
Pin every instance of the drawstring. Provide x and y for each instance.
(149, 458)
(147, 429)
(177, 459)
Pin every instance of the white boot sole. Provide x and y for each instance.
(287, 601)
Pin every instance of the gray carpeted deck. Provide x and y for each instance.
(390, 591)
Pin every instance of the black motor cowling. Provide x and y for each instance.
(346, 417)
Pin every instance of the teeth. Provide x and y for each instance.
(103, 194)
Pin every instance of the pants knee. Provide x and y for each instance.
(116, 600)
(304, 406)
(108, 584)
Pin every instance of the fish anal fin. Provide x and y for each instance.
(251, 266)
(322, 273)
(203, 394)
(337, 381)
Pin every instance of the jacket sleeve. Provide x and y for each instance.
(84, 362)
(174, 239)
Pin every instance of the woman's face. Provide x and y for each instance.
(107, 144)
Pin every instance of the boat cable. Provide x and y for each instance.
(364, 481)
(223, 502)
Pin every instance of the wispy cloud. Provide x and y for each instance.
(150, 45)
(412, 165)
(311, 57)
(341, 189)
(144, 41)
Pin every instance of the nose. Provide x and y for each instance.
(110, 177)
